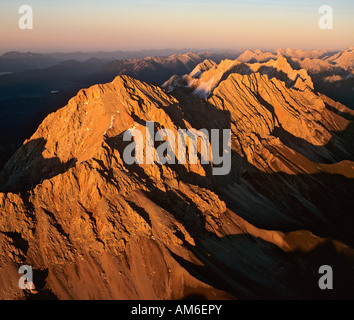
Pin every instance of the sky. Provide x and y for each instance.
(107, 25)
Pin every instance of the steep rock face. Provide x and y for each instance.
(202, 67)
(94, 227)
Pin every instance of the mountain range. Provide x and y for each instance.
(94, 227)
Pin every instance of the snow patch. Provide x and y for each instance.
(204, 89)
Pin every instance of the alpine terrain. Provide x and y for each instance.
(94, 227)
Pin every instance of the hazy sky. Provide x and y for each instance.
(70, 25)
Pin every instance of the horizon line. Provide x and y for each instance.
(184, 50)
